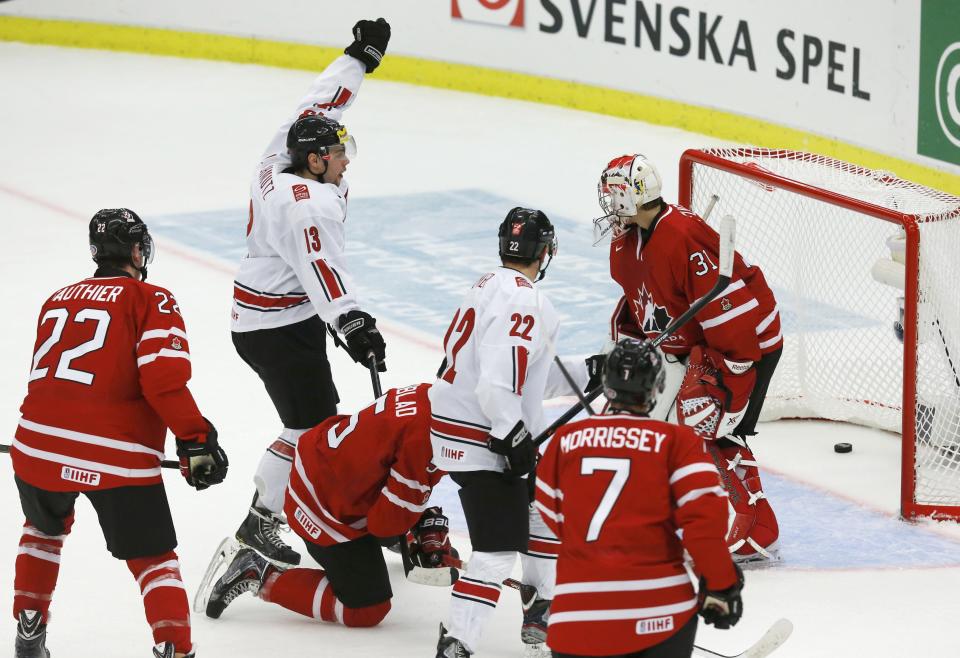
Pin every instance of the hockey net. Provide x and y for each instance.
(845, 249)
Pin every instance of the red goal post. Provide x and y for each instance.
(845, 248)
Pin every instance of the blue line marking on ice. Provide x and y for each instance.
(416, 255)
(421, 252)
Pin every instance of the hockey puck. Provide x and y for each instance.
(843, 447)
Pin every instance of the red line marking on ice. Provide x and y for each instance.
(393, 329)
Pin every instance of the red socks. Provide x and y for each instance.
(164, 599)
(308, 592)
(37, 568)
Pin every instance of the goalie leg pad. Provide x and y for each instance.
(754, 531)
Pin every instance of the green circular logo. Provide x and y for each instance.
(947, 92)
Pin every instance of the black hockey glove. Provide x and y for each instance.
(518, 448)
(722, 608)
(595, 365)
(203, 463)
(370, 39)
(359, 330)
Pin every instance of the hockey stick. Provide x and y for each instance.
(727, 239)
(584, 402)
(374, 377)
(166, 463)
(775, 636)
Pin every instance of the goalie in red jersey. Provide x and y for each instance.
(357, 483)
(719, 364)
(626, 495)
(109, 376)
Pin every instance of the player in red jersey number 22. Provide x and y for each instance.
(110, 371)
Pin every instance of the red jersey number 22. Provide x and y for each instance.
(64, 371)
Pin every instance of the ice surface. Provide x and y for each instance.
(176, 140)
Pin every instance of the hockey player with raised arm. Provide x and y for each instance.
(488, 396)
(626, 495)
(358, 482)
(294, 282)
(665, 257)
(109, 377)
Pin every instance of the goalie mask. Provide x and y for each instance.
(626, 183)
(633, 375)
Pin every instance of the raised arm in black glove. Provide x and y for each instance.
(722, 608)
(370, 39)
(518, 448)
(203, 463)
(363, 340)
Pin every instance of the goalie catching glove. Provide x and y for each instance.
(203, 463)
(715, 392)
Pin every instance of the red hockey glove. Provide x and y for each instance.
(715, 391)
(721, 608)
(203, 463)
(430, 545)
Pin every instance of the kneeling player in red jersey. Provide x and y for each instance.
(665, 257)
(357, 483)
(626, 495)
(110, 371)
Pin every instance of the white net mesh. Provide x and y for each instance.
(842, 359)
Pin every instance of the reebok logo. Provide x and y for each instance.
(71, 474)
(313, 530)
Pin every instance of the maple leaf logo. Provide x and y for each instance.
(653, 318)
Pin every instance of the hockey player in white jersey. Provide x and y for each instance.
(295, 282)
(488, 395)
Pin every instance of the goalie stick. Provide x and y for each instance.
(727, 241)
(775, 636)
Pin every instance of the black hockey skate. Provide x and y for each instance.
(533, 633)
(167, 650)
(450, 647)
(260, 531)
(31, 635)
(246, 573)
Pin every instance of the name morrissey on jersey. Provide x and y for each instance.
(88, 291)
(632, 438)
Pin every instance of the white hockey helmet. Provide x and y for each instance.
(626, 183)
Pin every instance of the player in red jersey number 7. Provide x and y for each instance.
(619, 491)
(110, 371)
(665, 257)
